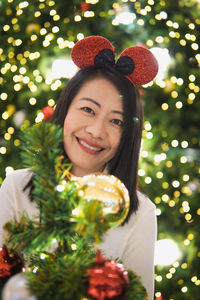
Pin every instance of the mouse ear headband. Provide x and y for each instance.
(138, 64)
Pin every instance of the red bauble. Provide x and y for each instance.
(47, 112)
(84, 6)
(10, 264)
(107, 279)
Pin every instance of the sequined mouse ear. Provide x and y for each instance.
(89, 49)
(145, 64)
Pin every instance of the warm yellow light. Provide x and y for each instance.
(174, 143)
(32, 101)
(174, 94)
(169, 164)
(7, 136)
(164, 106)
(172, 34)
(195, 46)
(186, 177)
(179, 104)
(6, 27)
(3, 150)
(4, 96)
(16, 142)
(80, 36)
(159, 278)
(37, 14)
(11, 130)
(77, 18)
(149, 43)
(159, 39)
(43, 31)
(55, 29)
(52, 12)
(183, 159)
(148, 180)
(184, 289)
(56, 18)
(140, 22)
(51, 102)
(159, 174)
(89, 14)
(33, 37)
(182, 42)
(191, 96)
(191, 26)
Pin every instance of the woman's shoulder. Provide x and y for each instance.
(18, 177)
(146, 208)
(144, 201)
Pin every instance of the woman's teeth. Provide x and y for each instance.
(88, 146)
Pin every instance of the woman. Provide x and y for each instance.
(101, 114)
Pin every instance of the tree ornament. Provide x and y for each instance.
(107, 279)
(84, 6)
(10, 264)
(108, 190)
(33, 28)
(47, 112)
(16, 288)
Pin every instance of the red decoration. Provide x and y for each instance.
(84, 6)
(10, 264)
(107, 279)
(47, 112)
(145, 65)
(84, 52)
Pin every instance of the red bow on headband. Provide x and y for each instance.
(138, 64)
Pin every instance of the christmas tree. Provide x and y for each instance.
(35, 36)
(58, 242)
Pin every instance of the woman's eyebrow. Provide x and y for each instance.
(91, 100)
(99, 105)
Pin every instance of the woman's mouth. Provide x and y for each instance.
(88, 148)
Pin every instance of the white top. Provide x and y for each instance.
(132, 243)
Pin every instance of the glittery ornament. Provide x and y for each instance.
(108, 190)
(16, 289)
(47, 112)
(107, 279)
(10, 264)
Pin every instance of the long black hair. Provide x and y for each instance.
(124, 164)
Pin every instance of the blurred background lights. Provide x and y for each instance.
(166, 252)
(124, 18)
(163, 57)
(63, 68)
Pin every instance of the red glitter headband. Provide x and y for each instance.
(138, 64)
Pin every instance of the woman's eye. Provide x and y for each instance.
(87, 110)
(117, 122)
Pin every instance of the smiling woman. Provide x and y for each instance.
(101, 114)
(93, 126)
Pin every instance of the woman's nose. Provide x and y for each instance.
(97, 129)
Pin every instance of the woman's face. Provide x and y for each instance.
(93, 126)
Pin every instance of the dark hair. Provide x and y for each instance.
(124, 164)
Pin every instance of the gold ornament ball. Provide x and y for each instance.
(33, 28)
(110, 191)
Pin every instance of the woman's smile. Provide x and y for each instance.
(89, 147)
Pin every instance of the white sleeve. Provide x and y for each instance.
(139, 252)
(7, 204)
(13, 200)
